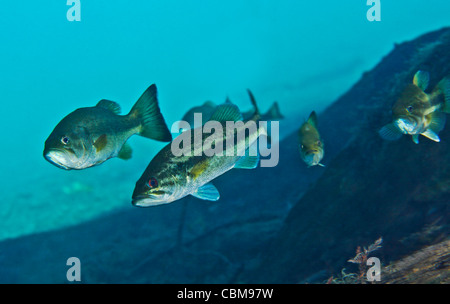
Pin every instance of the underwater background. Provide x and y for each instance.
(306, 55)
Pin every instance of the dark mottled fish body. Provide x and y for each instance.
(169, 178)
(89, 136)
(273, 113)
(418, 113)
(208, 108)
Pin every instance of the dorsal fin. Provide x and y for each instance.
(256, 115)
(209, 103)
(226, 112)
(421, 79)
(274, 112)
(312, 119)
(110, 105)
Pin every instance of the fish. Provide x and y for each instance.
(89, 136)
(170, 177)
(272, 114)
(208, 108)
(416, 112)
(310, 143)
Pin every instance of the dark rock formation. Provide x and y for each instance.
(430, 265)
(398, 190)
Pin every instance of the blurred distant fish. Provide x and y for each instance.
(208, 108)
(416, 112)
(273, 113)
(89, 136)
(310, 143)
(169, 178)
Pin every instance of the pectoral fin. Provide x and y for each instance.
(100, 143)
(437, 122)
(207, 192)
(415, 138)
(390, 132)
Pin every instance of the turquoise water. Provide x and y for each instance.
(302, 54)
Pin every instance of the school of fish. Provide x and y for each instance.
(89, 136)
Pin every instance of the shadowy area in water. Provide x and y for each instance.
(285, 224)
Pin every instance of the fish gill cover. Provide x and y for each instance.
(285, 224)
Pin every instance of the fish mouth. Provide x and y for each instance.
(148, 200)
(406, 124)
(55, 157)
(312, 157)
(312, 151)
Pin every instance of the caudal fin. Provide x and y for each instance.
(147, 111)
(274, 112)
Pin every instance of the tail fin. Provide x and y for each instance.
(444, 87)
(256, 115)
(274, 112)
(146, 109)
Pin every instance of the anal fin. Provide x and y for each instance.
(125, 152)
(250, 160)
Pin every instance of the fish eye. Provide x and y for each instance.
(319, 143)
(409, 109)
(65, 140)
(153, 183)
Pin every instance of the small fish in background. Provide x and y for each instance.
(89, 136)
(273, 113)
(208, 108)
(169, 178)
(310, 143)
(418, 113)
